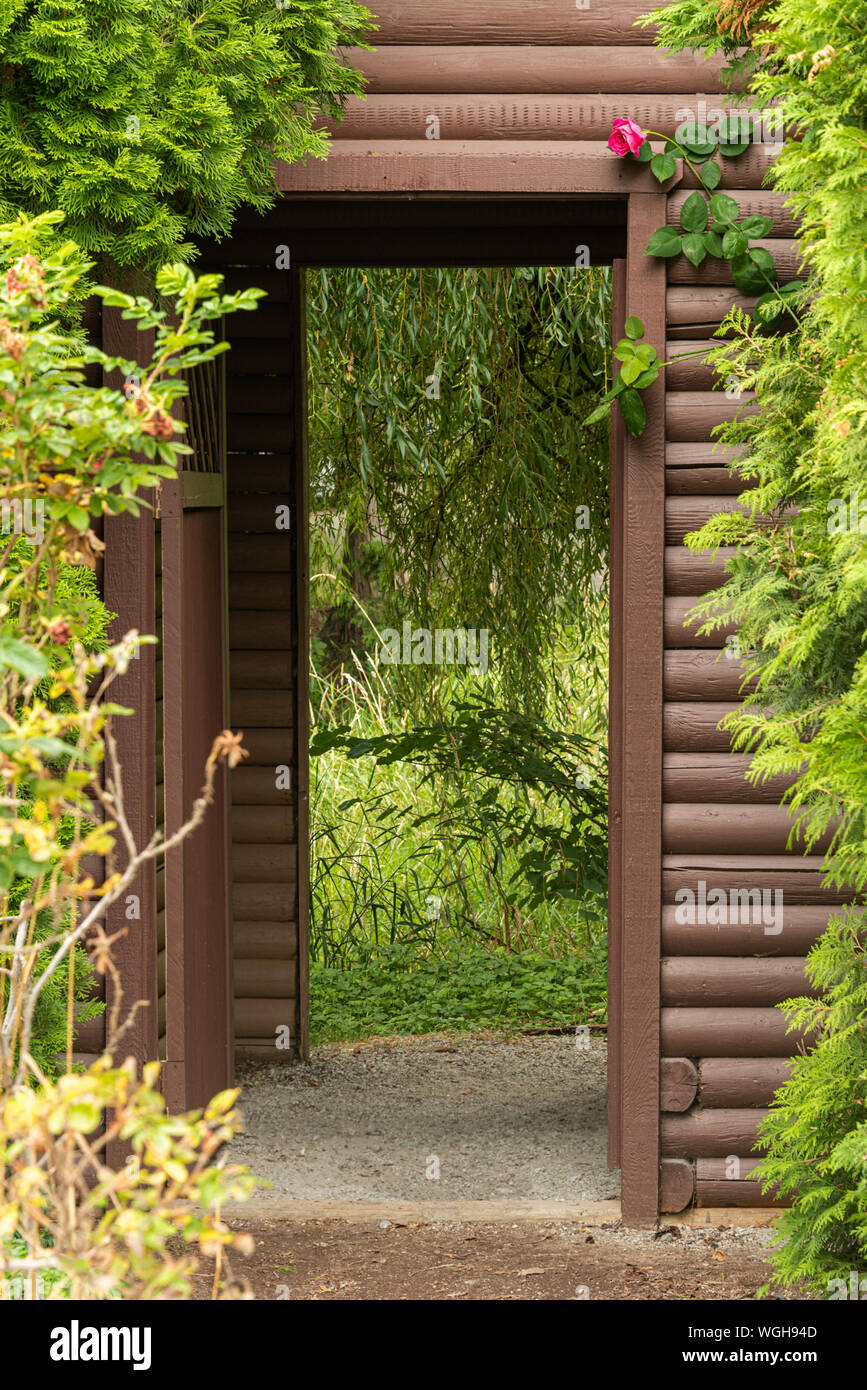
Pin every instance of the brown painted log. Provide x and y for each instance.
(257, 786)
(690, 572)
(734, 1032)
(798, 877)
(253, 433)
(486, 116)
(261, 1018)
(260, 554)
(90, 1036)
(685, 514)
(264, 979)
(711, 1133)
(268, 748)
(717, 1186)
(263, 825)
(688, 371)
(691, 727)
(259, 628)
(258, 513)
(507, 21)
(692, 482)
(678, 1083)
(265, 940)
(739, 982)
(680, 633)
(697, 827)
(266, 863)
(505, 167)
(718, 777)
(740, 1081)
(538, 69)
(261, 709)
(748, 171)
(696, 311)
(694, 415)
(259, 1050)
(701, 675)
(269, 473)
(752, 203)
(250, 591)
(801, 928)
(264, 902)
(785, 252)
(260, 671)
(676, 1184)
(702, 455)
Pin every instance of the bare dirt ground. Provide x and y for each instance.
(548, 1261)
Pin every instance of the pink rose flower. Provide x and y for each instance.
(626, 136)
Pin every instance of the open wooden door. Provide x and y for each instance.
(195, 962)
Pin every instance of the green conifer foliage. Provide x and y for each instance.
(149, 122)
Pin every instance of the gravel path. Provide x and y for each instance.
(497, 1118)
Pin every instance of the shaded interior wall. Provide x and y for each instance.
(262, 436)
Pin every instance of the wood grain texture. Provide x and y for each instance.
(718, 828)
(691, 727)
(676, 1184)
(711, 1133)
(724, 1082)
(507, 21)
(797, 929)
(534, 69)
(720, 777)
(678, 1083)
(726, 1032)
(733, 981)
(642, 680)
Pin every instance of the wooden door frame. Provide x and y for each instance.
(578, 172)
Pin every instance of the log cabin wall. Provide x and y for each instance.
(452, 84)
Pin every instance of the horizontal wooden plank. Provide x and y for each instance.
(798, 878)
(263, 1018)
(752, 203)
(263, 825)
(261, 671)
(260, 554)
(690, 572)
(749, 171)
(689, 726)
(724, 1191)
(267, 863)
(695, 827)
(264, 902)
(254, 433)
(702, 675)
(686, 514)
(536, 69)
(507, 21)
(696, 311)
(709, 454)
(255, 591)
(717, 1032)
(269, 747)
(718, 778)
(264, 979)
(740, 1081)
(732, 981)
(261, 709)
(793, 932)
(785, 252)
(268, 473)
(697, 482)
(262, 628)
(485, 116)
(262, 1050)
(680, 632)
(692, 416)
(257, 786)
(711, 1133)
(687, 368)
(259, 513)
(262, 395)
(467, 167)
(264, 940)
